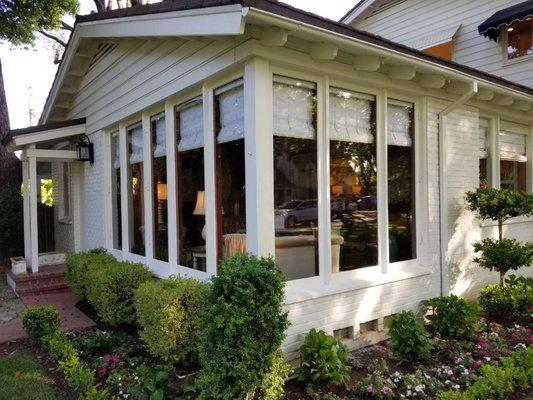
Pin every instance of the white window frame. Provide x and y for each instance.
(504, 35)
(385, 271)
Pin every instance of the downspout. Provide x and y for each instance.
(443, 183)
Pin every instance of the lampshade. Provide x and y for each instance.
(199, 209)
(162, 191)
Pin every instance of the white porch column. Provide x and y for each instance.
(34, 228)
(259, 158)
(26, 207)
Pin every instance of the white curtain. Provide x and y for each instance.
(350, 117)
(513, 146)
(293, 110)
(191, 125)
(160, 136)
(136, 155)
(399, 124)
(116, 160)
(483, 141)
(231, 108)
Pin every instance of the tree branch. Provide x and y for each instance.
(50, 36)
(66, 26)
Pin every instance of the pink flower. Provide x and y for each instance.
(370, 389)
(102, 372)
(107, 357)
(457, 360)
(386, 390)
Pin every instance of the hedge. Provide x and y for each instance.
(78, 265)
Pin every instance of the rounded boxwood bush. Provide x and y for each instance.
(171, 314)
(41, 321)
(110, 288)
(515, 299)
(78, 265)
(245, 330)
(409, 339)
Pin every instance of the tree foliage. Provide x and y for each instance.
(501, 255)
(21, 19)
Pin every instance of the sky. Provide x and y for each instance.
(29, 72)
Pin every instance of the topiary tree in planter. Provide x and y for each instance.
(499, 205)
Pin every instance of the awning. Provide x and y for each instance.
(491, 27)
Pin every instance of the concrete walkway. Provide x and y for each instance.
(64, 301)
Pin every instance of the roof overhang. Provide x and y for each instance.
(19, 138)
(491, 27)
(227, 20)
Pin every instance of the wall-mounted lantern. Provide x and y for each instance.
(85, 149)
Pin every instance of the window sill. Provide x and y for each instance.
(65, 221)
(517, 60)
(517, 220)
(313, 288)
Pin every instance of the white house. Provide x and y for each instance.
(226, 125)
(494, 36)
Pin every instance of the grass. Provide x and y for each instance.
(22, 378)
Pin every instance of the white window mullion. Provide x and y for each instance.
(495, 152)
(124, 186)
(382, 176)
(529, 150)
(210, 184)
(108, 190)
(259, 159)
(172, 191)
(148, 188)
(324, 204)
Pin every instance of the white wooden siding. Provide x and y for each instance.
(413, 19)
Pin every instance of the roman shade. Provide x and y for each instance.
(158, 122)
(513, 146)
(191, 125)
(136, 141)
(231, 111)
(399, 123)
(116, 156)
(483, 131)
(294, 108)
(491, 26)
(350, 117)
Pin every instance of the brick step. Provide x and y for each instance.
(48, 279)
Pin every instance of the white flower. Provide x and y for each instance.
(136, 378)
(486, 358)
(448, 382)
(457, 387)
(420, 388)
(520, 346)
(465, 371)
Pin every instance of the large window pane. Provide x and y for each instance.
(353, 175)
(513, 161)
(230, 170)
(295, 178)
(401, 181)
(190, 182)
(115, 187)
(135, 162)
(159, 173)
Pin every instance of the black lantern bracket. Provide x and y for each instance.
(85, 149)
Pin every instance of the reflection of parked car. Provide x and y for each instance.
(342, 204)
(367, 203)
(298, 211)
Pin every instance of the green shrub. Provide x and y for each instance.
(273, 386)
(453, 317)
(409, 339)
(41, 321)
(323, 361)
(78, 265)
(515, 374)
(110, 289)
(77, 374)
(246, 328)
(515, 299)
(172, 315)
(59, 346)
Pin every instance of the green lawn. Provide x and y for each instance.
(22, 378)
